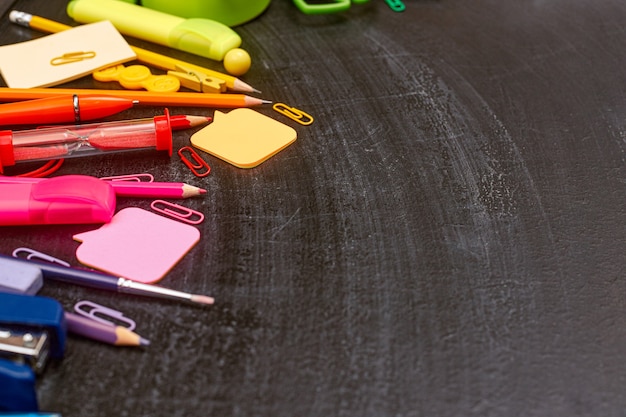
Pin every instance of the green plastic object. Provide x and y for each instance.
(228, 12)
(325, 8)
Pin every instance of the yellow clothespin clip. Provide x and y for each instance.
(293, 113)
(198, 81)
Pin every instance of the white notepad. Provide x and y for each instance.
(63, 56)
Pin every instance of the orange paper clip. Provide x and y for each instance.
(196, 164)
(178, 212)
(293, 113)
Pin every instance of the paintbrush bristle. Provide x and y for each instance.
(202, 299)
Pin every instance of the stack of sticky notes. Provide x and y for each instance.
(63, 56)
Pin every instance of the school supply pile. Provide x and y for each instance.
(126, 250)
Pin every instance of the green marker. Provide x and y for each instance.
(204, 37)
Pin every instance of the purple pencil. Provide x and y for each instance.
(111, 334)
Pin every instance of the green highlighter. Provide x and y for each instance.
(204, 37)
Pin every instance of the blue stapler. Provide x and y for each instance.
(32, 331)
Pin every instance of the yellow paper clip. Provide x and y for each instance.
(293, 113)
(198, 81)
(197, 165)
(70, 57)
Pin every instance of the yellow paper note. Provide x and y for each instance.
(243, 137)
(63, 56)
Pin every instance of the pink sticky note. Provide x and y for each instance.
(136, 244)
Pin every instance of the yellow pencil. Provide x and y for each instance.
(142, 97)
(147, 57)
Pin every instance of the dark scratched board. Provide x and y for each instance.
(446, 239)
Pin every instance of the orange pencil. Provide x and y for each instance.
(143, 97)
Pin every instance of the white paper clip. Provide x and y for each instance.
(97, 312)
(33, 254)
(178, 212)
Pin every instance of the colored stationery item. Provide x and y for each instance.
(294, 114)
(156, 189)
(61, 200)
(64, 56)
(136, 244)
(204, 37)
(177, 212)
(33, 331)
(151, 98)
(182, 121)
(194, 161)
(137, 77)
(113, 335)
(63, 109)
(20, 279)
(103, 314)
(85, 140)
(243, 137)
(122, 188)
(147, 57)
(103, 281)
(335, 6)
(231, 12)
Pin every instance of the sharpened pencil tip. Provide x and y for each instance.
(202, 299)
(202, 191)
(144, 342)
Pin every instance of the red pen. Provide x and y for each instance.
(62, 109)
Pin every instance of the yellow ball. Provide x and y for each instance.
(237, 61)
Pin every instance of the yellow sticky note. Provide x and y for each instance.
(243, 137)
(63, 56)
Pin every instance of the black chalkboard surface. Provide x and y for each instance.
(446, 239)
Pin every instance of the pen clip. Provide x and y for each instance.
(71, 57)
(131, 177)
(293, 113)
(178, 212)
(97, 312)
(197, 165)
(33, 254)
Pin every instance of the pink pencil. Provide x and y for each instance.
(133, 188)
(155, 189)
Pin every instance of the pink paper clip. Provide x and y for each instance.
(197, 165)
(131, 177)
(178, 212)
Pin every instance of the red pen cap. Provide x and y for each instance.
(163, 128)
(6, 150)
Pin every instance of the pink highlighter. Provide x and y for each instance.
(69, 199)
